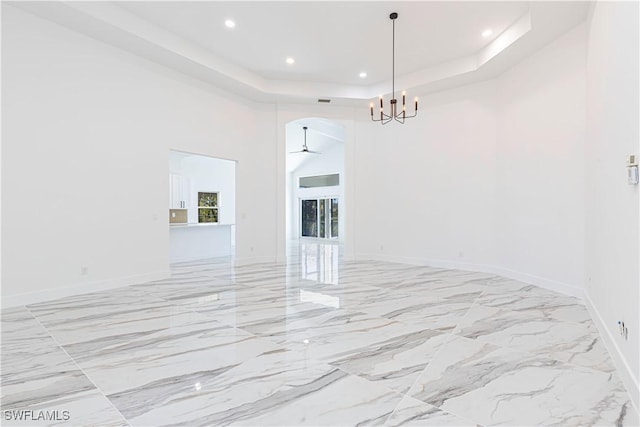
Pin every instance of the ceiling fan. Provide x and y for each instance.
(305, 149)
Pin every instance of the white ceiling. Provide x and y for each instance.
(322, 136)
(438, 44)
(333, 42)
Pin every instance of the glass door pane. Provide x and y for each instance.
(322, 219)
(309, 218)
(334, 218)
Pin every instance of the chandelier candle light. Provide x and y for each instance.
(394, 114)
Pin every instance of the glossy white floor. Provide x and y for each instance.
(316, 342)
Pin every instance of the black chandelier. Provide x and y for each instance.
(394, 114)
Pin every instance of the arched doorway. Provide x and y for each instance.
(315, 190)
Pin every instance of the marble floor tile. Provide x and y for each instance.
(578, 343)
(286, 284)
(326, 333)
(26, 346)
(427, 310)
(412, 412)
(517, 296)
(433, 279)
(337, 295)
(188, 346)
(93, 308)
(313, 341)
(377, 349)
(276, 388)
(192, 290)
(34, 366)
(456, 290)
(250, 274)
(41, 384)
(243, 307)
(77, 323)
(498, 386)
(394, 362)
(210, 266)
(379, 274)
(88, 408)
(333, 400)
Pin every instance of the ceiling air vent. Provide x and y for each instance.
(324, 101)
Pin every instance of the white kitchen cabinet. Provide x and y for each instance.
(178, 191)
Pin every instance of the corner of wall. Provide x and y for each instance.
(620, 362)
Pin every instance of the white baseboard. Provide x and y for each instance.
(483, 268)
(543, 282)
(624, 370)
(350, 257)
(82, 288)
(176, 260)
(253, 260)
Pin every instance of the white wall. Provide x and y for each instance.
(611, 204)
(426, 189)
(486, 177)
(540, 158)
(71, 107)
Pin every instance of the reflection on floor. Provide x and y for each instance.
(317, 341)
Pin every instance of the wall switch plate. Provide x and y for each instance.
(632, 169)
(632, 175)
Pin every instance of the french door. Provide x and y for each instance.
(319, 218)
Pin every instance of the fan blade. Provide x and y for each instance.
(305, 150)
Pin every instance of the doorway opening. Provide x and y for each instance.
(315, 196)
(202, 204)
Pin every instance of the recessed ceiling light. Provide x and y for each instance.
(229, 23)
(486, 33)
(363, 75)
(290, 60)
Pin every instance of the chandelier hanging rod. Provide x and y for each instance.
(394, 114)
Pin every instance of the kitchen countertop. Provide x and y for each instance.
(197, 224)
